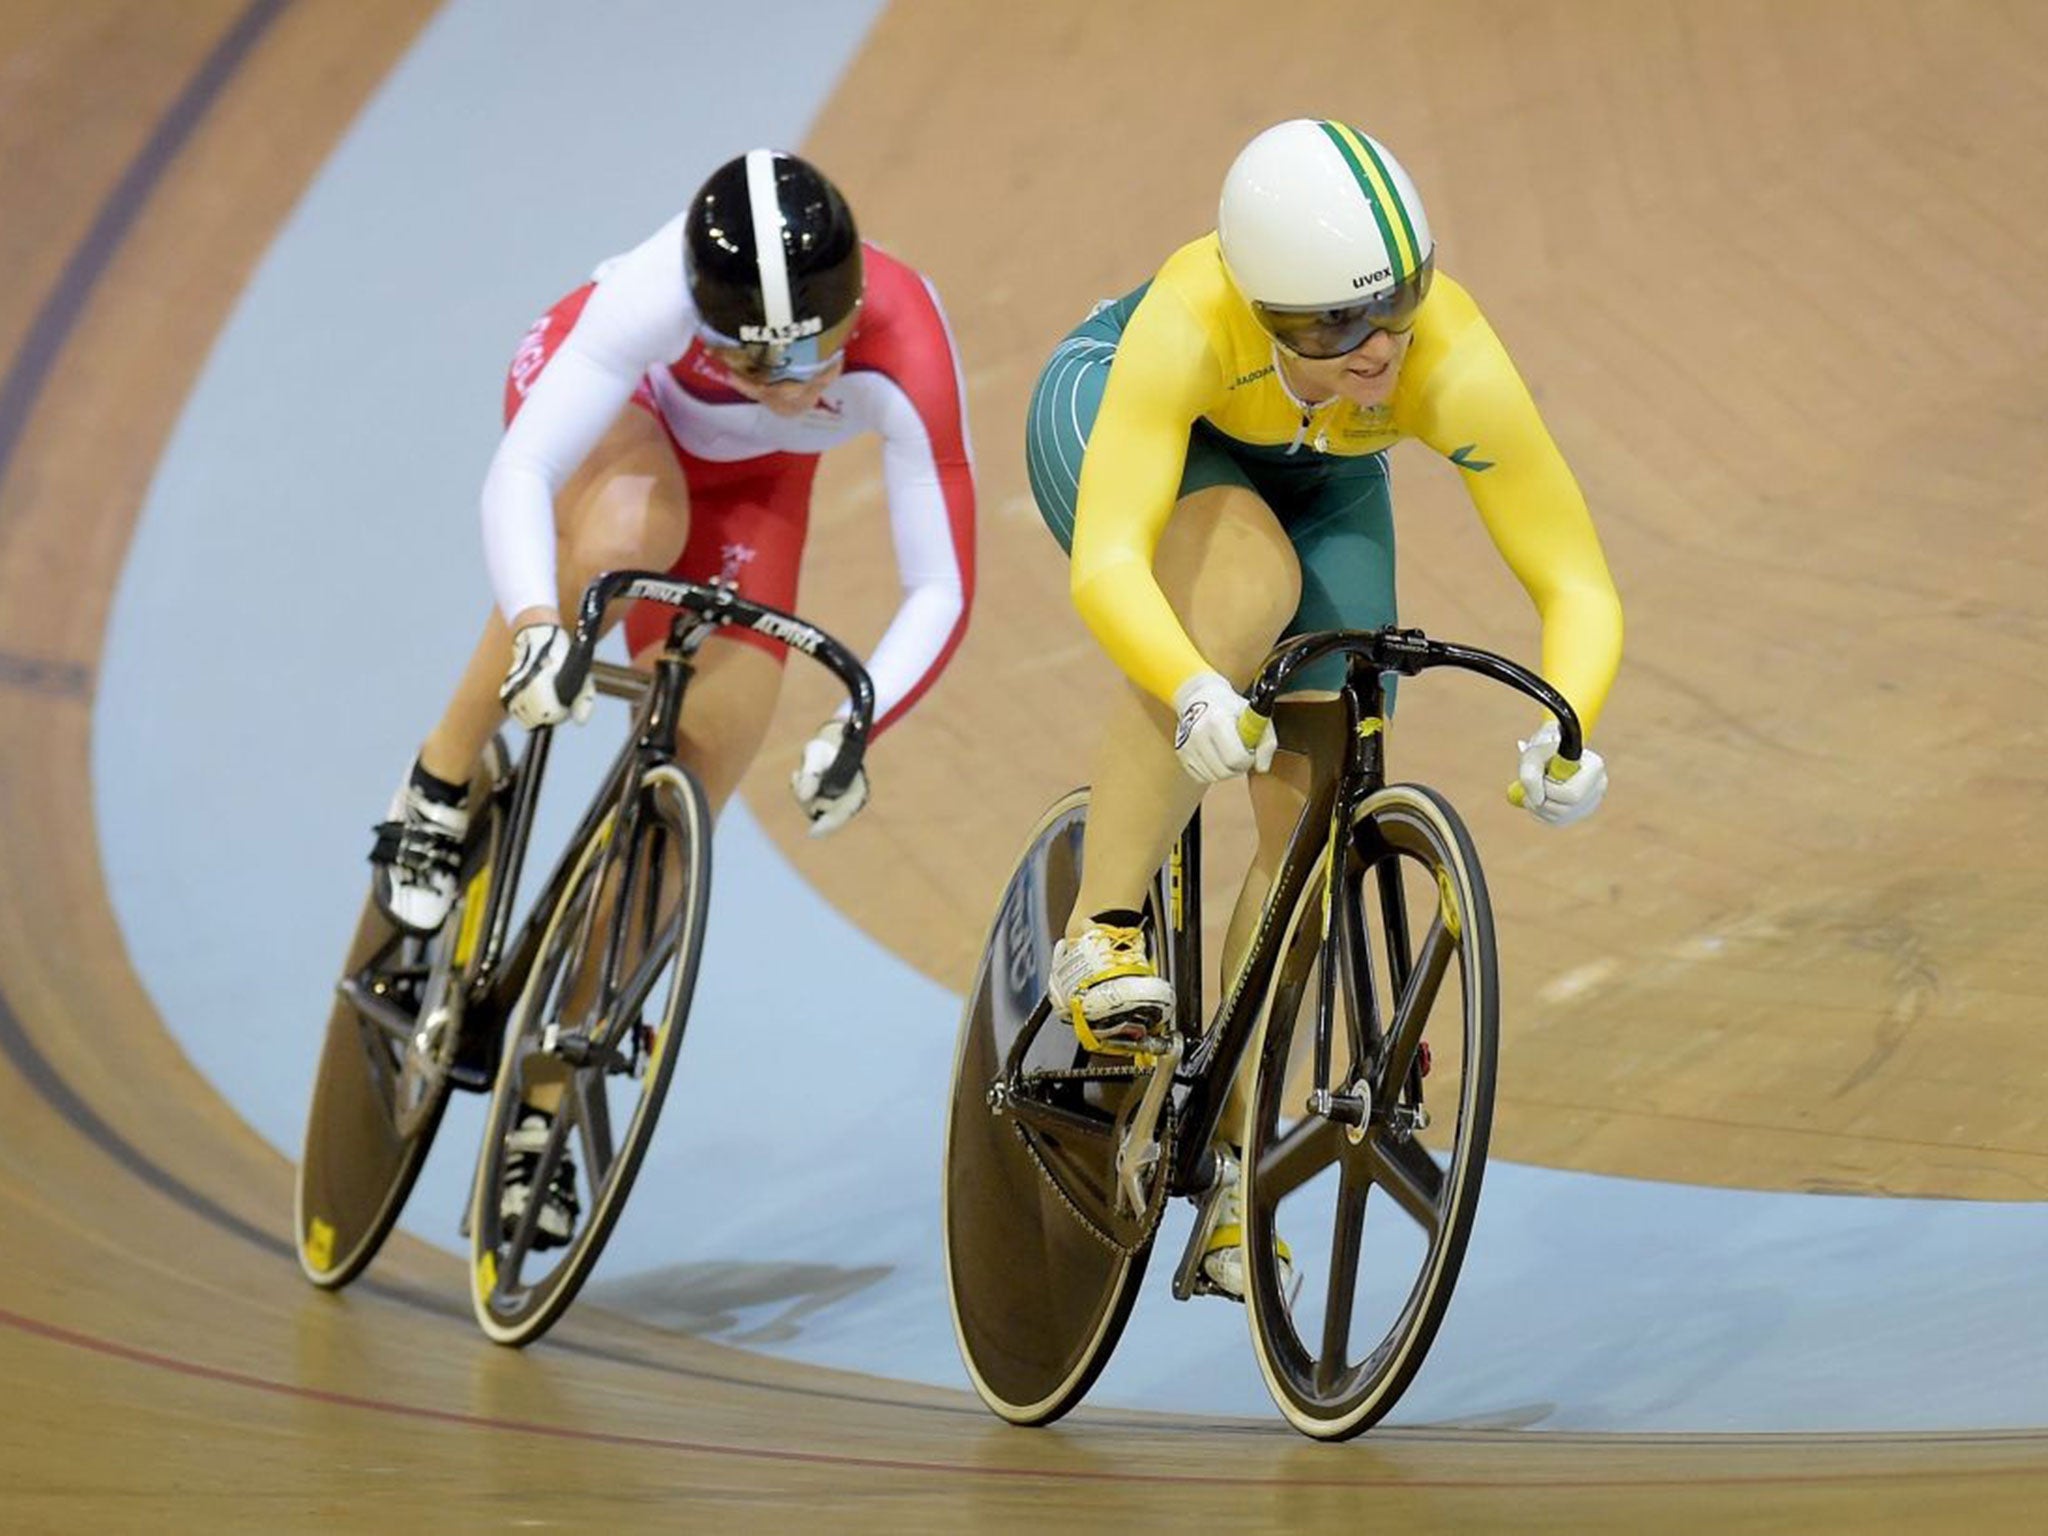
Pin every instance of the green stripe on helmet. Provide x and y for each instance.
(1404, 250)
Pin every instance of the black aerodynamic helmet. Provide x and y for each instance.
(772, 259)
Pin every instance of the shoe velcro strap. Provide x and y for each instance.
(385, 849)
(414, 849)
(1116, 972)
(1231, 1235)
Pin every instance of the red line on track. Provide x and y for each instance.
(192, 1368)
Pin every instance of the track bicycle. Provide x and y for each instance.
(1368, 1004)
(582, 1005)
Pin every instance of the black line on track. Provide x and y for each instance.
(37, 674)
(59, 313)
(20, 391)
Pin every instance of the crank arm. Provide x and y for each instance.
(1137, 1150)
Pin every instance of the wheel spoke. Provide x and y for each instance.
(1345, 1244)
(593, 1126)
(576, 954)
(1411, 1014)
(1305, 1151)
(1407, 1171)
(625, 1011)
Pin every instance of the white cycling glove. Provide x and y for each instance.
(1210, 735)
(529, 692)
(1559, 801)
(827, 813)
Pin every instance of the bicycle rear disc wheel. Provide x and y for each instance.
(596, 1028)
(384, 1072)
(1407, 981)
(1041, 1270)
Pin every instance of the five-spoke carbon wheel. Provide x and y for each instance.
(593, 1041)
(1372, 1104)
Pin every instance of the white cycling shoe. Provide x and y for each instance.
(556, 1220)
(417, 859)
(1223, 1254)
(1104, 984)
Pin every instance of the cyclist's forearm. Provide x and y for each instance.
(519, 538)
(1582, 632)
(915, 648)
(1121, 603)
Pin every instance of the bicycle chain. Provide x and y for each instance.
(1087, 1074)
(1155, 1203)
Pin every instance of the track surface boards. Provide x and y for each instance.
(1770, 271)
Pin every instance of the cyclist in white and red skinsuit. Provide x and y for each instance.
(669, 415)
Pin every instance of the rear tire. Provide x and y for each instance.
(383, 1079)
(1041, 1267)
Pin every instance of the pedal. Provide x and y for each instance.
(1189, 1277)
(1156, 1036)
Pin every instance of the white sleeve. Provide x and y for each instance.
(929, 562)
(637, 316)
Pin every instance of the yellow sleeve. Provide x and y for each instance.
(1479, 416)
(1164, 373)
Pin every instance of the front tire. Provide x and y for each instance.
(1404, 1016)
(597, 1026)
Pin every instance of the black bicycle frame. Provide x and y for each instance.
(497, 975)
(1208, 1070)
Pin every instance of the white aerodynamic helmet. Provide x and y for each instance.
(1325, 236)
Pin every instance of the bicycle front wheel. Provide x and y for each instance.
(1374, 1092)
(592, 1041)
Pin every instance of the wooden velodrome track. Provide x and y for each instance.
(1774, 272)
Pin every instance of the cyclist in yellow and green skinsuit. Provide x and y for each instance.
(1210, 449)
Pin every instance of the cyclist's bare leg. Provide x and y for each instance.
(731, 702)
(627, 505)
(1226, 566)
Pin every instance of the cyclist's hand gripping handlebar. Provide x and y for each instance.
(1409, 651)
(540, 687)
(1214, 735)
